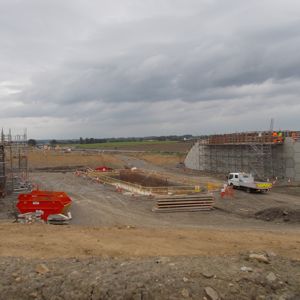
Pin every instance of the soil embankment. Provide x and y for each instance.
(38, 240)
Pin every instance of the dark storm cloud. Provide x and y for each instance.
(187, 70)
(148, 62)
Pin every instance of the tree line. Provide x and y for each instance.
(88, 140)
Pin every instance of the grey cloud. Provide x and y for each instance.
(106, 63)
(136, 77)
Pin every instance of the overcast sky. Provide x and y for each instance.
(76, 68)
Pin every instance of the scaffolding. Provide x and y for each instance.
(13, 161)
(256, 137)
(2, 171)
(253, 152)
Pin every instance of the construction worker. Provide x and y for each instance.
(275, 137)
(280, 137)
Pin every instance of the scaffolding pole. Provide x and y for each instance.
(13, 161)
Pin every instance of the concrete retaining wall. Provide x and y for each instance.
(291, 155)
(192, 160)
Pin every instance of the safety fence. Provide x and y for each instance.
(110, 178)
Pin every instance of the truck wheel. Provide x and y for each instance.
(248, 190)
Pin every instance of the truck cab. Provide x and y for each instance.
(238, 179)
(233, 179)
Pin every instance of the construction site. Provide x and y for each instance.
(261, 153)
(152, 225)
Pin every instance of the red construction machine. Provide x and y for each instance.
(51, 207)
(104, 169)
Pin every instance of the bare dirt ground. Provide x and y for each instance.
(117, 248)
(176, 147)
(100, 205)
(166, 160)
(44, 159)
(149, 278)
(129, 241)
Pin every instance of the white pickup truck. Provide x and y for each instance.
(246, 182)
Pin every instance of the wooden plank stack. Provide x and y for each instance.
(186, 203)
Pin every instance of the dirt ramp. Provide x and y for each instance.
(279, 214)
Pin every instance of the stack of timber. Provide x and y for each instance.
(184, 203)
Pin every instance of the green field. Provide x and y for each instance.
(113, 145)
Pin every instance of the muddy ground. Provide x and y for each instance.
(117, 248)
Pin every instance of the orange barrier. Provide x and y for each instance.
(227, 192)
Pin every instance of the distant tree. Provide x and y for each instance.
(31, 142)
(53, 143)
(80, 140)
